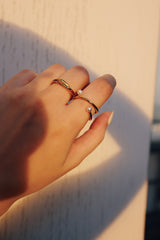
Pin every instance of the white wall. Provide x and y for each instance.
(105, 197)
(157, 90)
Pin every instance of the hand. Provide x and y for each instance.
(39, 128)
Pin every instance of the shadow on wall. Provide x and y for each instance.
(76, 207)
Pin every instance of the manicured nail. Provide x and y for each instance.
(111, 80)
(110, 118)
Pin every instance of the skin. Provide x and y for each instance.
(38, 135)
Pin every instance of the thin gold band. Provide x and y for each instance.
(87, 100)
(63, 83)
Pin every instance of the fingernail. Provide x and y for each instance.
(110, 118)
(111, 80)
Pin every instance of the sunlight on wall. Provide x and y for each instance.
(129, 218)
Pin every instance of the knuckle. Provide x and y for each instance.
(54, 70)
(59, 67)
(47, 74)
(28, 71)
(82, 69)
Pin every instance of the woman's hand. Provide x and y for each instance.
(39, 128)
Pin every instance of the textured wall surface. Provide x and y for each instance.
(105, 197)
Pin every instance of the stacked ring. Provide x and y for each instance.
(63, 83)
(76, 95)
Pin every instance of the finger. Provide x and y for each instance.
(97, 92)
(86, 143)
(44, 79)
(20, 79)
(77, 77)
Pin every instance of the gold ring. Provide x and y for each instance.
(63, 83)
(89, 109)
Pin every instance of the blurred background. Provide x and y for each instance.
(153, 202)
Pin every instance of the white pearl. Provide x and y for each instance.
(79, 91)
(89, 109)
